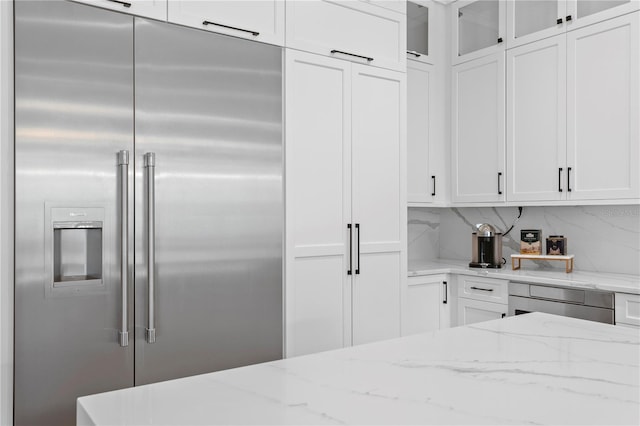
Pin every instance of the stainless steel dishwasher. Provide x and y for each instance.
(588, 304)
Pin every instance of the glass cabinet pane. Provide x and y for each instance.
(589, 7)
(532, 16)
(478, 26)
(417, 28)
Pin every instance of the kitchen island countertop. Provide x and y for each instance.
(533, 368)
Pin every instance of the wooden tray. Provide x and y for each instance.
(568, 259)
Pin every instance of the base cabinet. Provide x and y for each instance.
(471, 311)
(481, 299)
(428, 304)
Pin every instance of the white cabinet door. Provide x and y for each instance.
(260, 20)
(471, 311)
(529, 21)
(478, 28)
(603, 106)
(427, 305)
(581, 13)
(536, 121)
(318, 206)
(378, 200)
(421, 179)
(420, 31)
(627, 308)
(155, 9)
(352, 30)
(478, 105)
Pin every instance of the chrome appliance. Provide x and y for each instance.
(149, 204)
(486, 247)
(588, 304)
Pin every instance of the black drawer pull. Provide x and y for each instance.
(480, 288)
(123, 3)
(368, 58)
(254, 33)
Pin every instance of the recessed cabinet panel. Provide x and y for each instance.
(536, 117)
(420, 184)
(603, 100)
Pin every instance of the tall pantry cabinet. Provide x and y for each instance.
(345, 216)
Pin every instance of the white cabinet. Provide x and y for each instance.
(536, 121)
(478, 114)
(421, 20)
(581, 13)
(481, 299)
(627, 308)
(426, 177)
(529, 21)
(572, 115)
(260, 20)
(428, 303)
(155, 9)
(353, 30)
(478, 28)
(603, 106)
(345, 215)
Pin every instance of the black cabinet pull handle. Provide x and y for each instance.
(433, 178)
(123, 3)
(559, 179)
(358, 242)
(568, 18)
(446, 297)
(499, 190)
(559, 21)
(368, 58)
(410, 52)
(499, 39)
(480, 288)
(504, 315)
(254, 33)
(568, 179)
(350, 248)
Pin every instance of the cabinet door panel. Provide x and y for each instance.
(589, 12)
(603, 98)
(318, 201)
(419, 98)
(155, 9)
(376, 298)
(536, 116)
(261, 20)
(472, 311)
(424, 307)
(378, 140)
(531, 20)
(478, 130)
(478, 29)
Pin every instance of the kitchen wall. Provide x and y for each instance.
(603, 238)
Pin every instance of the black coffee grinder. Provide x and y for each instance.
(486, 247)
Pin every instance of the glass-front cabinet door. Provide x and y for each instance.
(478, 28)
(530, 20)
(586, 12)
(419, 31)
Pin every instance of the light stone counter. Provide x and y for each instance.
(529, 273)
(528, 369)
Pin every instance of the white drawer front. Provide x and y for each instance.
(352, 27)
(628, 309)
(487, 289)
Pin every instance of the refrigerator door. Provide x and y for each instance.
(73, 114)
(210, 108)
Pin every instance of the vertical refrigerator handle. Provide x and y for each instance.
(150, 166)
(358, 243)
(123, 168)
(350, 248)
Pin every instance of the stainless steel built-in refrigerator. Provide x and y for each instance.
(149, 204)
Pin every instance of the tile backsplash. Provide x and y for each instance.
(602, 238)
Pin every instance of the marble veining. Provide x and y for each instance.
(529, 369)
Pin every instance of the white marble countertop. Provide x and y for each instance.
(534, 369)
(530, 273)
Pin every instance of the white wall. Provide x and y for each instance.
(6, 212)
(603, 238)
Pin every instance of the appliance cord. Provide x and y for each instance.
(514, 222)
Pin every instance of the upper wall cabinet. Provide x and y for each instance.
(586, 12)
(477, 132)
(531, 20)
(260, 20)
(155, 9)
(479, 28)
(420, 31)
(355, 30)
